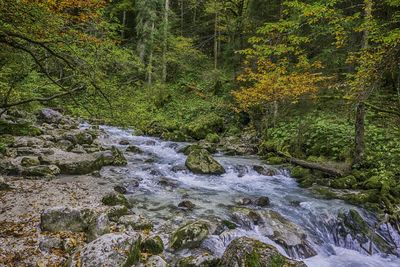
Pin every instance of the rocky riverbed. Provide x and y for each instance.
(73, 194)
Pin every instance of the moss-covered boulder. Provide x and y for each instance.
(212, 138)
(247, 252)
(202, 259)
(114, 199)
(346, 182)
(19, 129)
(190, 235)
(200, 161)
(30, 161)
(152, 245)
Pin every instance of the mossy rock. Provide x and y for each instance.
(114, 199)
(119, 158)
(153, 245)
(324, 192)
(189, 235)
(201, 162)
(247, 252)
(299, 172)
(229, 224)
(344, 182)
(187, 149)
(201, 260)
(19, 129)
(115, 212)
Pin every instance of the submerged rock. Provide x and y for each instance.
(247, 252)
(200, 161)
(115, 249)
(190, 235)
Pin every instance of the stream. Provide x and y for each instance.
(214, 195)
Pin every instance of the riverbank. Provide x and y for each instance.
(167, 203)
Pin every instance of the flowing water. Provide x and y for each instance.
(164, 182)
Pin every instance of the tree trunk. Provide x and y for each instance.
(362, 96)
(123, 24)
(165, 44)
(150, 63)
(216, 41)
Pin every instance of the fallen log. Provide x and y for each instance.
(311, 165)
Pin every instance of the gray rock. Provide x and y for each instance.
(245, 251)
(115, 212)
(156, 261)
(98, 227)
(50, 116)
(115, 249)
(47, 243)
(202, 259)
(134, 149)
(65, 144)
(57, 219)
(41, 171)
(137, 222)
(30, 161)
(200, 161)
(263, 201)
(186, 204)
(3, 184)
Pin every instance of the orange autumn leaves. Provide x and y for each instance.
(269, 82)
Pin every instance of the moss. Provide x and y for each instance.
(19, 129)
(153, 245)
(114, 199)
(253, 260)
(134, 254)
(204, 125)
(212, 138)
(275, 160)
(189, 235)
(324, 192)
(229, 224)
(277, 261)
(344, 182)
(299, 172)
(119, 158)
(362, 197)
(116, 212)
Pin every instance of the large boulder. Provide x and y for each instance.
(115, 249)
(289, 235)
(41, 171)
(190, 235)
(59, 219)
(200, 161)
(247, 252)
(50, 116)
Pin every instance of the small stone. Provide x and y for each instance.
(114, 199)
(245, 201)
(263, 201)
(47, 243)
(137, 222)
(30, 161)
(3, 184)
(120, 189)
(124, 142)
(186, 204)
(263, 171)
(134, 149)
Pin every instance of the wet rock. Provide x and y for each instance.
(203, 259)
(3, 184)
(150, 143)
(289, 235)
(114, 199)
(190, 235)
(30, 161)
(41, 171)
(186, 204)
(47, 243)
(119, 158)
(124, 142)
(50, 116)
(137, 222)
(152, 245)
(155, 261)
(263, 201)
(246, 217)
(263, 171)
(57, 219)
(114, 213)
(134, 149)
(178, 168)
(248, 252)
(116, 249)
(168, 183)
(120, 189)
(244, 201)
(200, 161)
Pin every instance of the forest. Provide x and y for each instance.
(200, 133)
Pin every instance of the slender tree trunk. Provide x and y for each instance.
(362, 96)
(182, 17)
(123, 24)
(150, 63)
(216, 41)
(165, 44)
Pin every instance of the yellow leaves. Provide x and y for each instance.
(272, 82)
